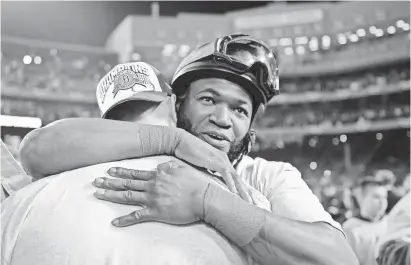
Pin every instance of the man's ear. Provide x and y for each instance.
(173, 108)
(178, 103)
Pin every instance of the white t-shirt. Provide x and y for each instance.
(39, 221)
(57, 220)
(287, 192)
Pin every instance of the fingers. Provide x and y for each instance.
(165, 166)
(215, 163)
(242, 189)
(122, 197)
(126, 173)
(121, 184)
(139, 216)
(236, 186)
(229, 181)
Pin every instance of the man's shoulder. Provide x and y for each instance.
(260, 167)
(288, 193)
(267, 176)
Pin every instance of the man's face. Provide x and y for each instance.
(374, 202)
(218, 112)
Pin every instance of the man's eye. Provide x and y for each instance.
(208, 99)
(241, 111)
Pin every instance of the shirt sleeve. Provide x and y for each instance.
(13, 183)
(289, 195)
(13, 176)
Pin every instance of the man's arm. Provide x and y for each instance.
(270, 238)
(73, 143)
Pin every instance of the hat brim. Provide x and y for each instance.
(143, 95)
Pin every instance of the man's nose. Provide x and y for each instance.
(221, 117)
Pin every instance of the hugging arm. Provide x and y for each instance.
(73, 143)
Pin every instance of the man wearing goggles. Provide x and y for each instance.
(221, 87)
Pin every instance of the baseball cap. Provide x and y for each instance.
(131, 81)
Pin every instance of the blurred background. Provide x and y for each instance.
(344, 108)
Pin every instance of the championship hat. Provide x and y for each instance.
(131, 81)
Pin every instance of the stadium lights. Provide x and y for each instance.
(353, 38)
(288, 51)
(37, 60)
(343, 138)
(400, 23)
(20, 122)
(169, 49)
(333, 210)
(286, 41)
(379, 33)
(280, 144)
(336, 141)
(313, 142)
(136, 57)
(301, 40)
(326, 40)
(373, 29)
(53, 52)
(361, 32)
(27, 59)
(313, 165)
(327, 173)
(391, 29)
(313, 44)
(183, 51)
(406, 27)
(342, 39)
(379, 136)
(300, 50)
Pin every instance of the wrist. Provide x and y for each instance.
(236, 219)
(158, 140)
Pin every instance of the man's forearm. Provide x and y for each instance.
(75, 143)
(272, 239)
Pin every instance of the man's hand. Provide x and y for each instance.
(206, 156)
(173, 194)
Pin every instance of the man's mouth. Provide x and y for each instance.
(218, 136)
(217, 140)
